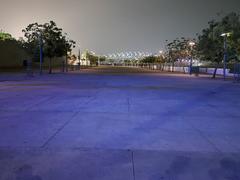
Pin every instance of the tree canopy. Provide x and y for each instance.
(180, 48)
(92, 58)
(54, 43)
(210, 42)
(5, 36)
(153, 59)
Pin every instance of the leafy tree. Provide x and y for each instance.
(161, 59)
(5, 36)
(210, 42)
(231, 23)
(55, 44)
(12, 53)
(102, 58)
(92, 58)
(127, 61)
(210, 45)
(32, 38)
(66, 47)
(179, 49)
(149, 59)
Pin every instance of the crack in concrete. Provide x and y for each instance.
(204, 137)
(133, 166)
(64, 125)
(58, 130)
(37, 104)
(128, 104)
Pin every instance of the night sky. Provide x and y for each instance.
(108, 26)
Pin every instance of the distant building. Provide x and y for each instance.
(84, 58)
(72, 60)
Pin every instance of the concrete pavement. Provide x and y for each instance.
(122, 123)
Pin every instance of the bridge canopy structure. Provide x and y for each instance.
(122, 57)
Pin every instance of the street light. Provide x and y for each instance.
(191, 44)
(79, 58)
(39, 34)
(225, 36)
(98, 60)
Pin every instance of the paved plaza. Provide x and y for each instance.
(119, 124)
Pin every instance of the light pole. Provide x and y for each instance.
(161, 61)
(173, 50)
(79, 58)
(191, 44)
(225, 35)
(98, 60)
(41, 52)
(66, 57)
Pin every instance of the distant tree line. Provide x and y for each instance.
(208, 44)
(53, 41)
(5, 36)
(94, 59)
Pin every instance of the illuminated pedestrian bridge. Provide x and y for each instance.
(137, 55)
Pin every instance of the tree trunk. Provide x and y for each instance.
(173, 66)
(63, 66)
(169, 67)
(66, 62)
(50, 66)
(214, 73)
(184, 70)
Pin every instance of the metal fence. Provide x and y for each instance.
(237, 72)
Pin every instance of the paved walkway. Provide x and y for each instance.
(119, 124)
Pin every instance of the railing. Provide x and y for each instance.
(237, 72)
(233, 69)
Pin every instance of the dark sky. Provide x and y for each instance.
(107, 26)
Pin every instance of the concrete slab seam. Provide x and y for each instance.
(58, 130)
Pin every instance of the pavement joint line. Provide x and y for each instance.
(40, 111)
(36, 104)
(30, 148)
(128, 104)
(204, 137)
(64, 125)
(133, 166)
(58, 130)
(231, 144)
(90, 99)
(90, 112)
